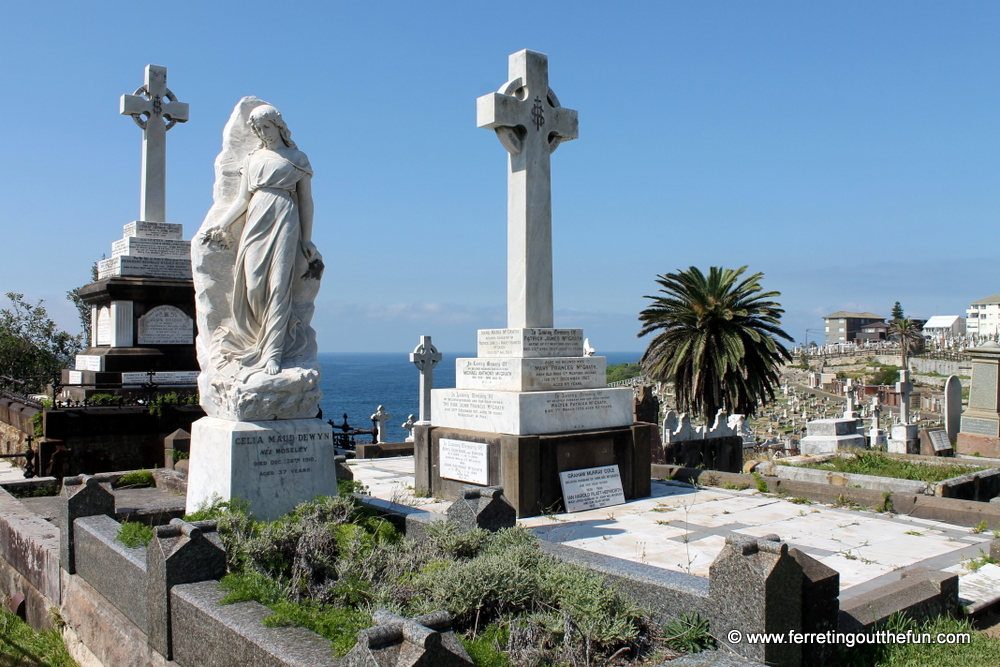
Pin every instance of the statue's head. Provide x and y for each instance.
(266, 112)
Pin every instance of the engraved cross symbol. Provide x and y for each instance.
(148, 102)
(530, 124)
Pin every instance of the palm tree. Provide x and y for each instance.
(910, 335)
(716, 338)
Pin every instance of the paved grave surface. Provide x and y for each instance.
(683, 529)
(10, 472)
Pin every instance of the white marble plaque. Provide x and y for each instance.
(133, 246)
(144, 267)
(464, 461)
(531, 413)
(88, 362)
(166, 325)
(275, 465)
(535, 374)
(104, 326)
(591, 488)
(75, 377)
(530, 343)
(161, 377)
(155, 230)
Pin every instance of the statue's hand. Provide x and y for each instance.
(310, 250)
(215, 234)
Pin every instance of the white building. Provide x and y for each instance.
(984, 316)
(940, 327)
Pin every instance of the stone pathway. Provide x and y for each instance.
(682, 528)
(9, 472)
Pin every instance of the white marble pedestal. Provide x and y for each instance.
(275, 465)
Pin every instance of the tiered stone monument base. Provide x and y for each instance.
(905, 439)
(831, 435)
(275, 465)
(528, 466)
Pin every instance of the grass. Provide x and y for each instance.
(980, 527)
(21, 646)
(973, 564)
(136, 478)
(879, 465)
(982, 650)
(133, 534)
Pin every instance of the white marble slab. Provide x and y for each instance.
(532, 374)
(154, 230)
(531, 413)
(134, 246)
(161, 377)
(464, 461)
(275, 465)
(530, 343)
(591, 488)
(89, 362)
(166, 325)
(145, 267)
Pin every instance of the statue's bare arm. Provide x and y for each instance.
(236, 209)
(304, 194)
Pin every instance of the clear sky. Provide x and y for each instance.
(848, 150)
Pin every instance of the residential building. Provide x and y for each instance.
(844, 326)
(874, 331)
(940, 327)
(984, 316)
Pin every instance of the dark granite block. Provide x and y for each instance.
(180, 553)
(424, 641)
(820, 607)
(114, 570)
(81, 496)
(920, 593)
(482, 507)
(756, 586)
(212, 635)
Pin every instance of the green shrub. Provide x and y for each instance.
(689, 634)
(487, 648)
(132, 534)
(136, 478)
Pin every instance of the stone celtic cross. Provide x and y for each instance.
(379, 419)
(425, 357)
(530, 124)
(154, 101)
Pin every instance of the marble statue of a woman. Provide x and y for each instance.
(257, 273)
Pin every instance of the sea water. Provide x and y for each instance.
(356, 384)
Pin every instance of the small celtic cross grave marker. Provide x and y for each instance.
(425, 357)
(380, 418)
(154, 101)
(530, 124)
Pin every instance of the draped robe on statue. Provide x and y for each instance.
(263, 326)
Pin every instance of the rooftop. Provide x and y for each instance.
(990, 299)
(941, 321)
(845, 314)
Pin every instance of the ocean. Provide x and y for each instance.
(356, 384)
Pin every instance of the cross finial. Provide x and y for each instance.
(151, 105)
(425, 357)
(530, 123)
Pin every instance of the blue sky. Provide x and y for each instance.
(848, 150)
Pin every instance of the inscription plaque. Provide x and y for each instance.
(88, 362)
(530, 343)
(75, 377)
(464, 461)
(939, 440)
(152, 267)
(980, 426)
(591, 488)
(161, 377)
(155, 230)
(134, 246)
(166, 325)
(983, 393)
(104, 326)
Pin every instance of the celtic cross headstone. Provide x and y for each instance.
(530, 124)
(425, 357)
(154, 109)
(380, 418)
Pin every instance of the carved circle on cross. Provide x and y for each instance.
(512, 138)
(144, 91)
(426, 357)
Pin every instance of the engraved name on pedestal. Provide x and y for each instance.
(536, 374)
(133, 246)
(161, 377)
(464, 461)
(152, 267)
(980, 426)
(155, 230)
(591, 488)
(166, 325)
(104, 326)
(530, 343)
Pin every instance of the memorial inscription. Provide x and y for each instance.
(166, 325)
(153, 267)
(591, 488)
(134, 246)
(280, 454)
(530, 343)
(939, 440)
(980, 426)
(155, 230)
(88, 362)
(464, 461)
(984, 387)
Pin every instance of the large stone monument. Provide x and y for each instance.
(531, 404)
(904, 438)
(142, 304)
(256, 274)
(980, 428)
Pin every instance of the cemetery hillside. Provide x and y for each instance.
(370, 391)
